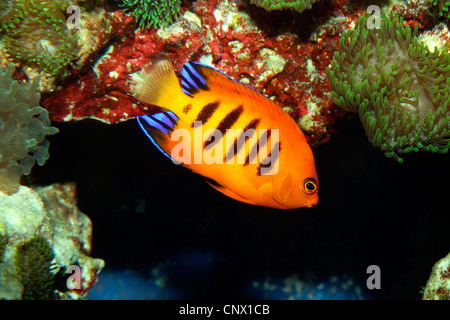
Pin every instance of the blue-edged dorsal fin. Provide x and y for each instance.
(158, 127)
(192, 79)
(197, 77)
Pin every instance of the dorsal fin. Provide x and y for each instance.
(192, 79)
(196, 77)
(157, 84)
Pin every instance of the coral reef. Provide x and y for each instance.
(159, 13)
(47, 222)
(297, 5)
(72, 236)
(397, 85)
(283, 65)
(36, 34)
(294, 287)
(91, 31)
(187, 274)
(23, 127)
(285, 59)
(3, 244)
(33, 261)
(438, 285)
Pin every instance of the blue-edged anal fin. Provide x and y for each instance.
(158, 128)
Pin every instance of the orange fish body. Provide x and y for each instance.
(248, 147)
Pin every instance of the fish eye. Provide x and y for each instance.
(309, 185)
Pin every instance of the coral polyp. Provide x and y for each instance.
(441, 7)
(297, 5)
(34, 265)
(158, 13)
(397, 85)
(36, 34)
(23, 128)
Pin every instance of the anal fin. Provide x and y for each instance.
(158, 128)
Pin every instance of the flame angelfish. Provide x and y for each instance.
(248, 147)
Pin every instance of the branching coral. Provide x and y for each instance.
(397, 85)
(23, 127)
(35, 32)
(156, 13)
(34, 264)
(297, 5)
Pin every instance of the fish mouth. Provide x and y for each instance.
(308, 204)
(312, 203)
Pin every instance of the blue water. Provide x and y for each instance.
(193, 275)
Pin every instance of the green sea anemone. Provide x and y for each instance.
(35, 33)
(442, 7)
(400, 88)
(34, 266)
(156, 13)
(297, 5)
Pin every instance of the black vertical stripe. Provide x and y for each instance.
(256, 148)
(253, 150)
(230, 119)
(253, 124)
(194, 77)
(174, 121)
(163, 124)
(206, 112)
(226, 123)
(185, 89)
(269, 164)
(236, 148)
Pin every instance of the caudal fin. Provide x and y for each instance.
(158, 85)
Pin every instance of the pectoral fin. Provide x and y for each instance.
(228, 192)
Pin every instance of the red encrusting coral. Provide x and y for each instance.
(282, 65)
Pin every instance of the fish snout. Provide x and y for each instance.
(312, 202)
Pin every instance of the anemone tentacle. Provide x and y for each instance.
(159, 13)
(397, 85)
(297, 5)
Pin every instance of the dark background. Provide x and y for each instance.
(371, 211)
